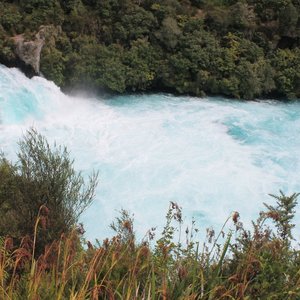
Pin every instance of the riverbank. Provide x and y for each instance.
(242, 50)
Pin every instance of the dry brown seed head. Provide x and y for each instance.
(145, 251)
(44, 210)
(9, 244)
(106, 243)
(127, 225)
(235, 217)
(182, 272)
(43, 221)
(26, 242)
(90, 246)
(273, 215)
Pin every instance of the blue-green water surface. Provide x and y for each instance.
(211, 155)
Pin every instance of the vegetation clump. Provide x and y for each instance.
(237, 263)
(238, 48)
(42, 182)
(249, 264)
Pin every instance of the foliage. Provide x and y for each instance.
(285, 63)
(239, 48)
(43, 255)
(52, 64)
(248, 264)
(43, 182)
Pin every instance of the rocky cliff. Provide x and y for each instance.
(29, 51)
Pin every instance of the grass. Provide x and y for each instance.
(259, 263)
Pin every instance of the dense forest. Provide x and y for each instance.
(238, 48)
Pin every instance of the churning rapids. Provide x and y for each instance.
(212, 156)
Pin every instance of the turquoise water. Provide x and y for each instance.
(211, 155)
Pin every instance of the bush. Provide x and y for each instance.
(42, 177)
(52, 64)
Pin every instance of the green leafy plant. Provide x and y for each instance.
(43, 176)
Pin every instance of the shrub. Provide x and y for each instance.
(42, 177)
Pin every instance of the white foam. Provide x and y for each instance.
(212, 156)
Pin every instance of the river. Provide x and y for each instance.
(212, 155)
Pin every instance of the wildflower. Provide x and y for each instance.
(235, 217)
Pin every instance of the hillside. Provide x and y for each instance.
(237, 48)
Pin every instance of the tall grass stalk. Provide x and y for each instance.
(250, 264)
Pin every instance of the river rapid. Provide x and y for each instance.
(212, 156)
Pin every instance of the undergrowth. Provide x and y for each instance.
(238, 263)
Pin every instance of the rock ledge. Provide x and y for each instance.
(29, 52)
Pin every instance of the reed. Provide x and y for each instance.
(237, 263)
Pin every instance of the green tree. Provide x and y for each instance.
(249, 85)
(288, 19)
(137, 23)
(169, 33)
(52, 64)
(141, 62)
(286, 63)
(10, 18)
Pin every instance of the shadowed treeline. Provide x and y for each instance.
(238, 48)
